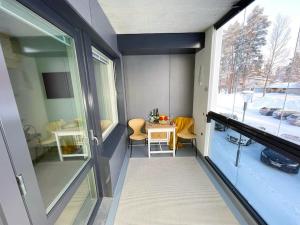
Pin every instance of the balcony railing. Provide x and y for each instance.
(261, 169)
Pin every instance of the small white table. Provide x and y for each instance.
(74, 133)
(160, 128)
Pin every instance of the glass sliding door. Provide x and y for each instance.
(79, 207)
(42, 69)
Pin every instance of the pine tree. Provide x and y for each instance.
(254, 35)
(241, 50)
(228, 68)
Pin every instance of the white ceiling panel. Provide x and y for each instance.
(164, 16)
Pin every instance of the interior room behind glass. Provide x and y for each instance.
(42, 66)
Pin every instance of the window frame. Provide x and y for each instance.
(96, 54)
(52, 15)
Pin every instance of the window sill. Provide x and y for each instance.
(112, 140)
(108, 131)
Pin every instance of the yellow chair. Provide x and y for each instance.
(187, 134)
(136, 125)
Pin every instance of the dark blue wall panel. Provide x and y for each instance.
(167, 43)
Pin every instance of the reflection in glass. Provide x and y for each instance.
(42, 66)
(80, 206)
(106, 92)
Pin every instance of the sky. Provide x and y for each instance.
(287, 8)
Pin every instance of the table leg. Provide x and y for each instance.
(59, 148)
(174, 142)
(149, 141)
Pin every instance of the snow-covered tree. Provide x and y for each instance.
(277, 47)
(294, 67)
(228, 70)
(241, 50)
(255, 33)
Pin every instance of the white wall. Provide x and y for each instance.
(29, 93)
(205, 85)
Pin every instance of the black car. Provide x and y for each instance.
(279, 161)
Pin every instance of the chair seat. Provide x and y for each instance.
(186, 135)
(138, 137)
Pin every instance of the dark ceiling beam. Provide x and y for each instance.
(236, 8)
(160, 43)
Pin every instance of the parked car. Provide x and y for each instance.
(292, 138)
(265, 111)
(222, 127)
(282, 114)
(233, 137)
(279, 161)
(294, 119)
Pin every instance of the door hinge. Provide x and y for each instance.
(21, 184)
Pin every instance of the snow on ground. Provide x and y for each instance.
(273, 193)
(233, 103)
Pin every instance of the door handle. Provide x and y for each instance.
(94, 138)
(21, 184)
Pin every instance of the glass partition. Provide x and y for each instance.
(42, 66)
(222, 152)
(259, 77)
(267, 179)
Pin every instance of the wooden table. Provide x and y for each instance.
(160, 128)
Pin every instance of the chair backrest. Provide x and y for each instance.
(136, 125)
(187, 128)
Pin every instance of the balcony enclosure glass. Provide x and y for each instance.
(260, 54)
(268, 180)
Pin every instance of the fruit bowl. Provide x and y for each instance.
(163, 119)
(163, 122)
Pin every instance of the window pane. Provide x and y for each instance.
(79, 208)
(222, 151)
(290, 124)
(106, 92)
(268, 180)
(232, 40)
(42, 66)
(257, 57)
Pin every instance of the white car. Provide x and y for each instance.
(234, 137)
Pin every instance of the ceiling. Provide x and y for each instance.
(164, 16)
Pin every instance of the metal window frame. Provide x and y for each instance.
(236, 8)
(49, 12)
